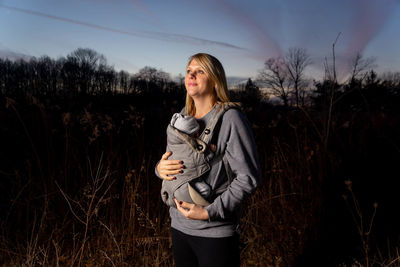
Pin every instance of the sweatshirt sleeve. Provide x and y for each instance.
(156, 172)
(155, 167)
(241, 154)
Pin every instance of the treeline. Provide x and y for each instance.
(82, 72)
(85, 72)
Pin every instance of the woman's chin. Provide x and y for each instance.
(192, 93)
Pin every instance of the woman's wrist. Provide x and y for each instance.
(157, 172)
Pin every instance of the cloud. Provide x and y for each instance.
(143, 8)
(267, 45)
(369, 18)
(152, 18)
(143, 34)
(6, 53)
(11, 55)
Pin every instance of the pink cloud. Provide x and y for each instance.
(266, 44)
(369, 18)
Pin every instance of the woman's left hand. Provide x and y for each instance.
(191, 211)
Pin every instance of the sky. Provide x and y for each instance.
(132, 34)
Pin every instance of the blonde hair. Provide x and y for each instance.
(215, 72)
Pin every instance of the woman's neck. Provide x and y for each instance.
(203, 107)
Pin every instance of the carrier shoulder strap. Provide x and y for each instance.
(208, 131)
(183, 111)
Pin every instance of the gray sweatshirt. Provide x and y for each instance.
(235, 138)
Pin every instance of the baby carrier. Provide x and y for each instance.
(194, 152)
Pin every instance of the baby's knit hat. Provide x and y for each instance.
(186, 124)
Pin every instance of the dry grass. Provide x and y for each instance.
(84, 192)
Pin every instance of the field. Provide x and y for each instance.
(78, 186)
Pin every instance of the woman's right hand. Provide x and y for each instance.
(167, 168)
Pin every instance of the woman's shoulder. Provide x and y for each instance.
(234, 124)
(234, 118)
(233, 114)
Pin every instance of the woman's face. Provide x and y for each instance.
(197, 82)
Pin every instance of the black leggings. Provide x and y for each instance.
(195, 251)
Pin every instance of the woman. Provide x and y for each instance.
(208, 236)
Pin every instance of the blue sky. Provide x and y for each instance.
(242, 34)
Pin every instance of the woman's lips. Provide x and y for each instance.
(192, 84)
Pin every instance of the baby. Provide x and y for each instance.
(186, 124)
(189, 125)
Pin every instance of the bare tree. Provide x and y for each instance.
(123, 78)
(152, 78)
(150, 74)
(297, 60)
(393, 78)
(87, 62)
(360, 67)
(275, 76)
(88, 57)
(286, 76)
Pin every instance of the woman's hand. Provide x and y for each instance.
(167, 168)
(191, 211)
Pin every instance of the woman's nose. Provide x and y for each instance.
(192, 75)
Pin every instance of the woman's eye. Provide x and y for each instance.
(201, 72)
(187, 71)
